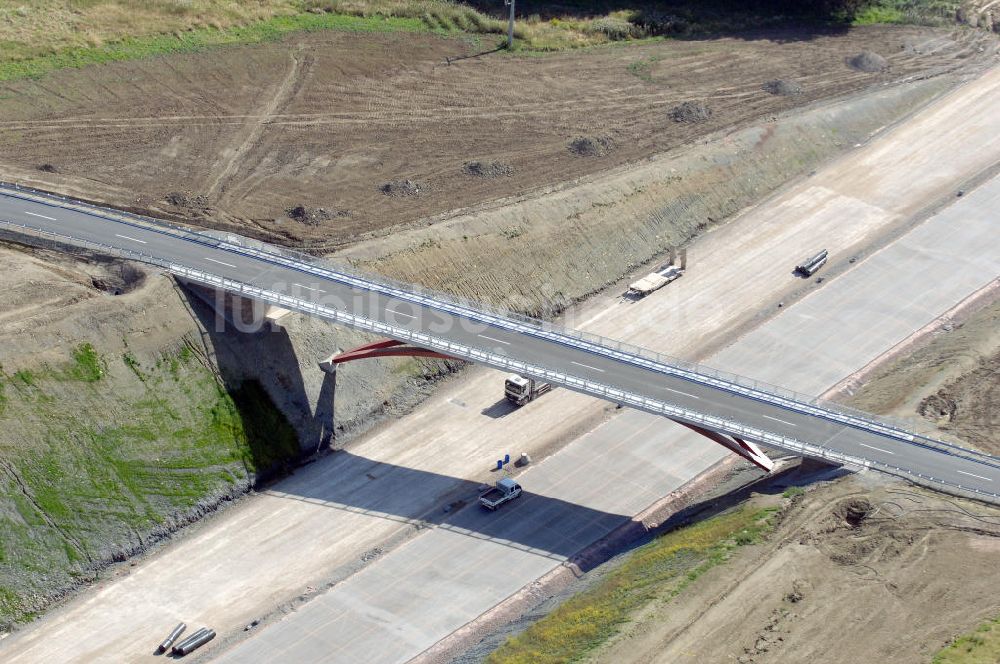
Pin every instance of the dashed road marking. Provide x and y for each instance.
(399, 313)
(318, 290)
(499, 341)
(670, 389)
(133, 239)
(988, 479)
(40, 215)
(587, 366)
(791, 424)
(879, 449)
(219, 262)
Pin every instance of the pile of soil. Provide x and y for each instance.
(397, 188)
(313, 216)
(690, 111)
(590, 146)
(782, 87)
(182, 200)
(938, 406)
(488, 169)
(868, 62)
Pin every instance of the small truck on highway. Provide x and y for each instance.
(654, 281)
(519, 390)
(504, 491)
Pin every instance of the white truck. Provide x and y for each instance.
(654, 281)
(519, 390)
(505, 490)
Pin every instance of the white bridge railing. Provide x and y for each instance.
(523, 325)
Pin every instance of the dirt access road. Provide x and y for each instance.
(237, 136)
(270, 550)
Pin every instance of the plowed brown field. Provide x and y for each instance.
(237, 136)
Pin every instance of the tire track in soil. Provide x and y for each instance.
(244, 154)
(402, 110)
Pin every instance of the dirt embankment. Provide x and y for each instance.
(869, 568)
(127, 413)
(381, 129)
(867, 571)
(950, 384)
(540, 253)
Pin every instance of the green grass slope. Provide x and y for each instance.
(97, 460)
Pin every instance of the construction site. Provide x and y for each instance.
(800, 205)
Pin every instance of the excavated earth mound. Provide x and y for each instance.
(398, 188)
(192, 202)
(587, 146)
(314, 216)
(690, 111)
(868, 62)
(488, 169)
(782, 87)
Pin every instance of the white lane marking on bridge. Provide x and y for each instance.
(587, 366)
(400, 313)
(988, 479)
(879, 449)
(219, 262)
(791, 424)
(318, 290)
(670, 389)
(126, 237)
(499, 341)
(40, 215)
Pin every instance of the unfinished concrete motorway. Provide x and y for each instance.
(739, 408)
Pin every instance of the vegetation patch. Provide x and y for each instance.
(921, 12)
(793, 492)
(40, 36)
(643, 69)
(23, 60)
(268, 440)
(25, 377)
(87, 365)
(659, 570)
(980, 647)
(87, 479)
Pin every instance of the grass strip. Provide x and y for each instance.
(660, 569)
(133, 48)
(979, 647)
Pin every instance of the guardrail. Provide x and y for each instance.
(620, 351)
(482, 356)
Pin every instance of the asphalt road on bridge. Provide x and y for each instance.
(973, 472)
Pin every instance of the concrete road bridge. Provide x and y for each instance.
(737, 412)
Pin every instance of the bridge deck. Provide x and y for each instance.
(600, 368)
